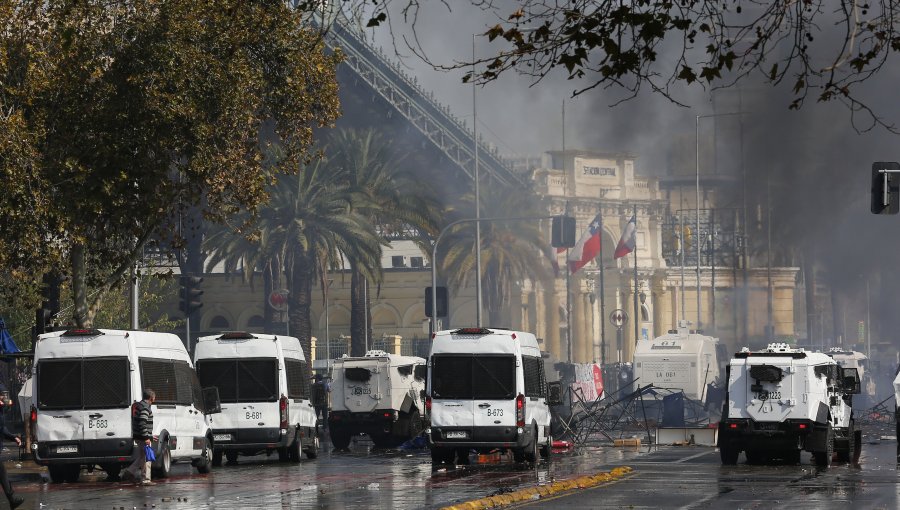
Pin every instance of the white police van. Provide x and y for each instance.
(86, 382)
(782, 400)
(487, 390)
(263, 383)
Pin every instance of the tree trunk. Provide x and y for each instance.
(357, 313)
(268, 287)
(79, 286)
(300, 301)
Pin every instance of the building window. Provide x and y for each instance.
(218, 322)
(417, 262)
(397, 261)
(256, 321)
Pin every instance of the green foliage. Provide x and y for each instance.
(119, 115)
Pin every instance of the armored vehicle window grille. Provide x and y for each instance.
(159, 375)
(59, 384)
(257, 380)
(184, 383)
(357, 374)
(222, 374)
(405, 370)
(767, 373)
(532, 371)
(297, 380)
(106, 383)
(827, 371)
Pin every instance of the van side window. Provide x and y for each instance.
(534, 376)
(297, 381)
(171, 380)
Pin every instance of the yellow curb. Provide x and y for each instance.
(541, 491)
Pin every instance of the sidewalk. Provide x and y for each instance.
(24, 471)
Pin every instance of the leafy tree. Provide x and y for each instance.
(396, 200)
(119, 115)
(511, 251)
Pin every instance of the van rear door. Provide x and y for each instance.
(107, 399)
(59, 404)
(470, 391)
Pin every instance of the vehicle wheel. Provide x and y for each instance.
(163, 464)
(312, 451)
(416, 426)
(547, 447)
(792, 457)
(72, 473)
(294, 449)
(531, 451)
(231, 457)
(823, 458)
(442, 456)
(848, 446)
(57, 473)
(729, 452)
(283, 454)
(217, 458)
(857, 445)
(204, 463)
(340, 439)
(462, 457)
(112, 471)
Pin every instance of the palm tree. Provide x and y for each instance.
(511, 251)
(395, 200)
(307, 227)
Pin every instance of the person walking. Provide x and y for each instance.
(142, 432)
(320, 389)
(6, 403)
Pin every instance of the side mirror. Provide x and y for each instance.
(211, 402)
(554, 393)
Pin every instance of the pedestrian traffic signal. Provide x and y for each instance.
(562, 232)
(190, 293)
(885, 187)
(441, 301)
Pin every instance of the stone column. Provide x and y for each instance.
(551, 313)
(576, 322)
(589, 334)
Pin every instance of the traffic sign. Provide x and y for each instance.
(278, 299)
(618, 318)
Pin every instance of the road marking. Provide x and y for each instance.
(693, 456)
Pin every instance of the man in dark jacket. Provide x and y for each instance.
(142, 431)
(5, 403)
(319, 397)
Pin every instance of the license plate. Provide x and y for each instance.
(767, 426)
(67, 449)
(221, 437)
(457, 434)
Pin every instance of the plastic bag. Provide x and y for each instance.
(148, 452)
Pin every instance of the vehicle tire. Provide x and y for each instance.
(416, 425)
(547, 447)
(283, 454)
(72, 473)
(823, 458)
(756, 457)
(729, 452)
(531, 452)
(857, 445)
(312, 451)
(792, 457)
(163, 464)
(231, 457)
(204, 463)
(294, 449)
(462, 457)
(438, 457)
(57, 473)
(112, 471)
(217, 458)
(340, 439)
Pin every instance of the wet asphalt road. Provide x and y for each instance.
(664, 477)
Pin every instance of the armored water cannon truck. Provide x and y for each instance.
(781, 400)
(378, 394)
(859, 361)
(682, 359)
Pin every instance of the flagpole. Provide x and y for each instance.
(602, 296)
(637, 312)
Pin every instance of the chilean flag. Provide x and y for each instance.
(628, 240)
(587, 247)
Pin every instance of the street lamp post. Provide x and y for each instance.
(477, 197)
(697, 189)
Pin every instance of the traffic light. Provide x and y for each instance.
(441, 301)
(190, 294)
(562, 232)
(43, 321)
(885, 187)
